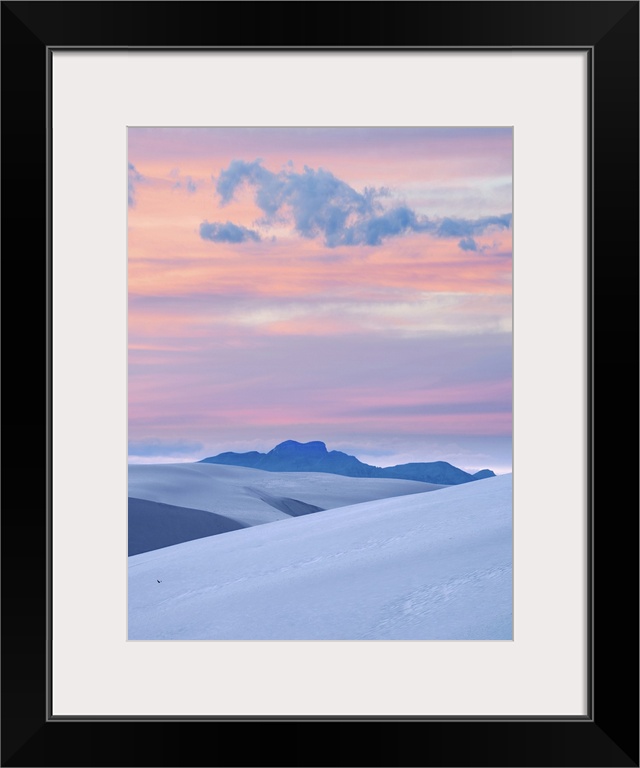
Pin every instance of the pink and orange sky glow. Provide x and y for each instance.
(349, 285)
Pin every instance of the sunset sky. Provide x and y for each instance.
(349, 285)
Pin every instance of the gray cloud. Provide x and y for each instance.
(323, 205)
(183, 182)
(187, 183)
(134, 177)
(468, 244)
(227, 233)
(469, 227)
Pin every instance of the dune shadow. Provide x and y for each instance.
(291, 507)
(153, 525)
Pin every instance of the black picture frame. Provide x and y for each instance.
(608, 735)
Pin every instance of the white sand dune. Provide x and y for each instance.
(431, 566)
(243, 496)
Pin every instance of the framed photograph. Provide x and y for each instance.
(363, 257)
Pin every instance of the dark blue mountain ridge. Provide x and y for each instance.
(291, 456)
(483, 473)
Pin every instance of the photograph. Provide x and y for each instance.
(320, 383)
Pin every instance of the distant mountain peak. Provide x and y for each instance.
(484, 473)
(314, 446)
(292, 456)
